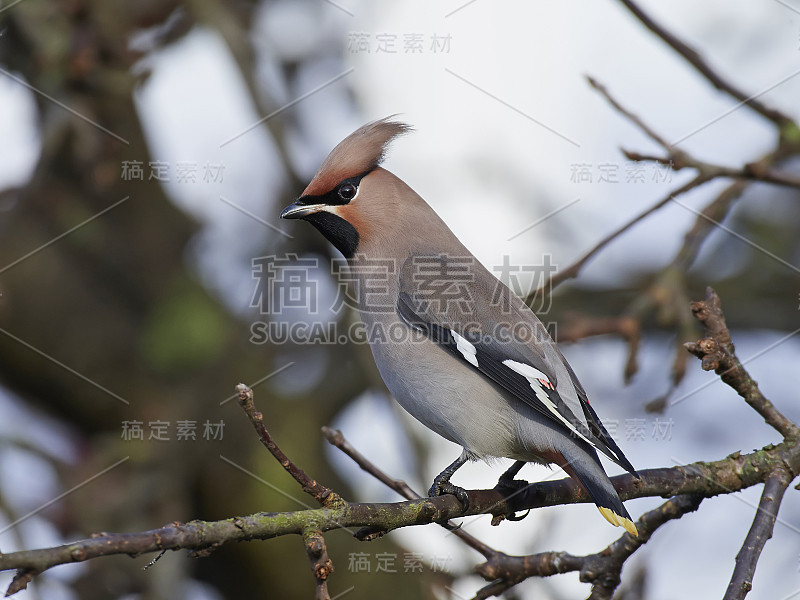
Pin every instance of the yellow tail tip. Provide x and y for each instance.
(618, 521)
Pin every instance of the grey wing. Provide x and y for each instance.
(594, 422)
(462, 312)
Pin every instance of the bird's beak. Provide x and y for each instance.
(299, 209)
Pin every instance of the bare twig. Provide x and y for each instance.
(574, 269)
(678, 159)
(606, 575)
(758, 170)
(602, 569)
(714, 212)
(336, 438)
(667, 293)
(636, 120)
(666, 296)
(321, 564)
(750, 171)
(760, 531)
(325, 496)
(697, 61)
(717, 353)
(21, 580)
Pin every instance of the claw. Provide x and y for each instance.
(510, 484)
(441, 487)
(514, 517)
(441, 483)
(509, 487)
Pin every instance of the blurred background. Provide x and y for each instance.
(147, 149)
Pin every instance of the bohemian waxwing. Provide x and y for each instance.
(457, 349)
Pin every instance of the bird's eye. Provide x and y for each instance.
(347, 191)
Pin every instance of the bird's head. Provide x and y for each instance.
(351, 194)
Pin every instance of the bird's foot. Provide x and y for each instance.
(509, 487)
(443, 486)
(507, 484)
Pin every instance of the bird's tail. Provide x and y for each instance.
(590, 474)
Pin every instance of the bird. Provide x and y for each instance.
(456, 348)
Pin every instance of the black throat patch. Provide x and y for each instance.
(336, 230)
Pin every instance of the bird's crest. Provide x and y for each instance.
(359, 152)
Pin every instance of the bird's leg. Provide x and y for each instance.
(507, 481)
(441, 483)
(507, 484)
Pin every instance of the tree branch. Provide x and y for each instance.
(337, 439)
(574, 269)
(667, 293)
(751, 171)
(717, 353)
(636, 120)
(678, 159)
(760, 531)
(321, 564)
(325, 496)
(697, 61)
(602, 569)
(759, 170)
(705, 479)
